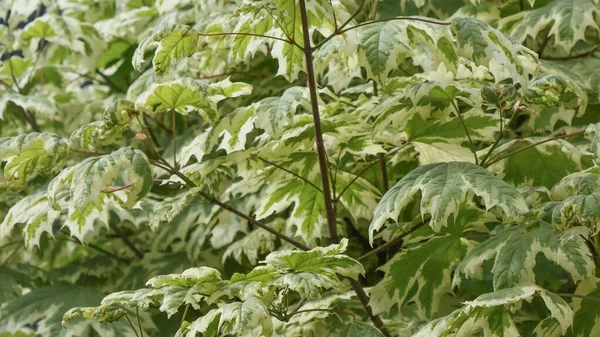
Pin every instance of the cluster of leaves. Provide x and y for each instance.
(300, 168)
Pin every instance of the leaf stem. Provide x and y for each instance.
(137, 313)
(292, 173)
(185, 311)
(132, 327)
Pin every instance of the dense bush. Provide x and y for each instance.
(299, 168)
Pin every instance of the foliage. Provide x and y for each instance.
(299, 168)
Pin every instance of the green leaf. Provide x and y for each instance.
(381, 43)
(273, 114)
(85, 181)
(566, 21)
(578, 183)
(25, 157)
(35, 213)
(172, 44)
(360, 329)
(515, 250)
(443, 188)
(489, 314)
(432, 263)
(41, 106)
(250, 317)
(44, 307)
(486, 46)
(187, 96)
(540, 165)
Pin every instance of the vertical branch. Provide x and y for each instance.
(312, 87)
(323, 164)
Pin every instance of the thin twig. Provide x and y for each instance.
(392, 243)
(369, 167)
(462, 121)
(578, 56)
(292, 173)
(126, 240)
(578, 296)
(500, 157)
(343, 30)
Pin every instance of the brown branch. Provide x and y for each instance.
(312, 88)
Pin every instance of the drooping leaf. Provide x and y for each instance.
(171, 43)
(35, 213)
(84, 182)
(25, 157)
(489, 314)
(443, 188)
(186, 96)
(433, 262)
(486, 46)
(44, 307)
(360, 329)
(514, 251)
(566, 22)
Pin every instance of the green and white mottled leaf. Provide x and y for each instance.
(44, 307)
(273, 114)
(514, 251)
(578, 183)
(27, 156)
(486, 46)
(36, 104)
(566, 21)
(360, 329)
(541, 165)
(86, 180)
(433, 263)
(587, 314)
(171, 43)
(165, 292)
(248, 318)
(35, 213)
(97, 134)
(575, 211)
(443, 188)
(490, 314)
